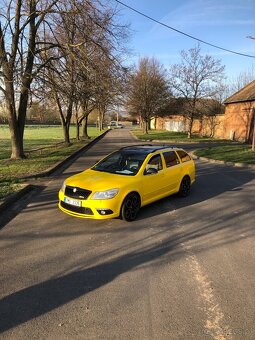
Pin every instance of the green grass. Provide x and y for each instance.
(171, 136)
(35, 137)
(232, 153)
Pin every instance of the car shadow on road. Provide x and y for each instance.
(210, 183)
(15, 207)
(41, 298)
(34, 301)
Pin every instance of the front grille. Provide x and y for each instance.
(75, 192)
(78, 210)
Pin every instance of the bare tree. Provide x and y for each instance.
(195, 78)
(99, 62)
(241, 80)
(20, 23)
(61, 73)
(148, 90)
(37, 33)
(210, 109)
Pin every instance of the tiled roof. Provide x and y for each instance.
(246, 94)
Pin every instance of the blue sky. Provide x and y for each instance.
(225, 23)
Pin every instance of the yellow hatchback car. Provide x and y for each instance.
(126, 180)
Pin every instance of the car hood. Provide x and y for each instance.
(98, 181)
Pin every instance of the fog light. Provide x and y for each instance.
(104, 211)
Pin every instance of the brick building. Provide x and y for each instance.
(237, 123)
(239, 114)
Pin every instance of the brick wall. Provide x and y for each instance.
(237, 120)
(235, 124)
(210, 126)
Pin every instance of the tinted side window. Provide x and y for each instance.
(171, 158)
(183, 156)
(155, 162)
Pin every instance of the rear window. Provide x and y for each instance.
(171, 158)
(183, 156)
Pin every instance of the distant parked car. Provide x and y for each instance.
(126, 180)
(115, 125)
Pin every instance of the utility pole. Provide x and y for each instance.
(118, 115)
(253, 136)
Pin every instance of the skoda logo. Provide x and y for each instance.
(74, 189)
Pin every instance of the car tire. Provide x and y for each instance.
(184, 190)
(130, 207)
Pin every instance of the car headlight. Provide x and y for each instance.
(105, 195)
(63, 188)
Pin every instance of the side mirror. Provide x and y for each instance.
(151, 171)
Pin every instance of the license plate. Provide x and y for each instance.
(72, 202)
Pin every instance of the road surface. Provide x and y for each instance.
(183, 270)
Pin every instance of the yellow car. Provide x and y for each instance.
(125, 180)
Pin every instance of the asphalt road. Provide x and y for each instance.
(184, 270)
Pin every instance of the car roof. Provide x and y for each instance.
(147, 148)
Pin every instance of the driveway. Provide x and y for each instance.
(183, 270)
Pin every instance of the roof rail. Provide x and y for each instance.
(156, 147)
(134, 145)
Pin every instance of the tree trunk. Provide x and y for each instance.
(146, 127)
(17, 145)
(22, 110)
(141, 122)
(101, 121)
(77, 129)
(17, 151)
(65, 122)
(66, 134)
(85, 127)
(191, 120)
(201, 119)
(101, 124)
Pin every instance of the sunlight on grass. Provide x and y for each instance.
(232, 153)
(35, 137)
(171, 136)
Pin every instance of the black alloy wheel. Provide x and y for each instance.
(130, 207)
(184, 190)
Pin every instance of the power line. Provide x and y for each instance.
(183, 33)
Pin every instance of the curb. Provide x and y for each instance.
(135, 137)
(15, 196)
(58, 165)
(29, 187)
(215, 161)
(167, 141)
(237, 165)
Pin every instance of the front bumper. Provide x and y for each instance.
(95, 209)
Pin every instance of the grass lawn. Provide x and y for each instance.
(171, 136)
(35, 137)
(237, 153)
(233, 153)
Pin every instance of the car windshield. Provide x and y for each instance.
(121, 162)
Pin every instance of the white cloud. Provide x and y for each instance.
(198, 13)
